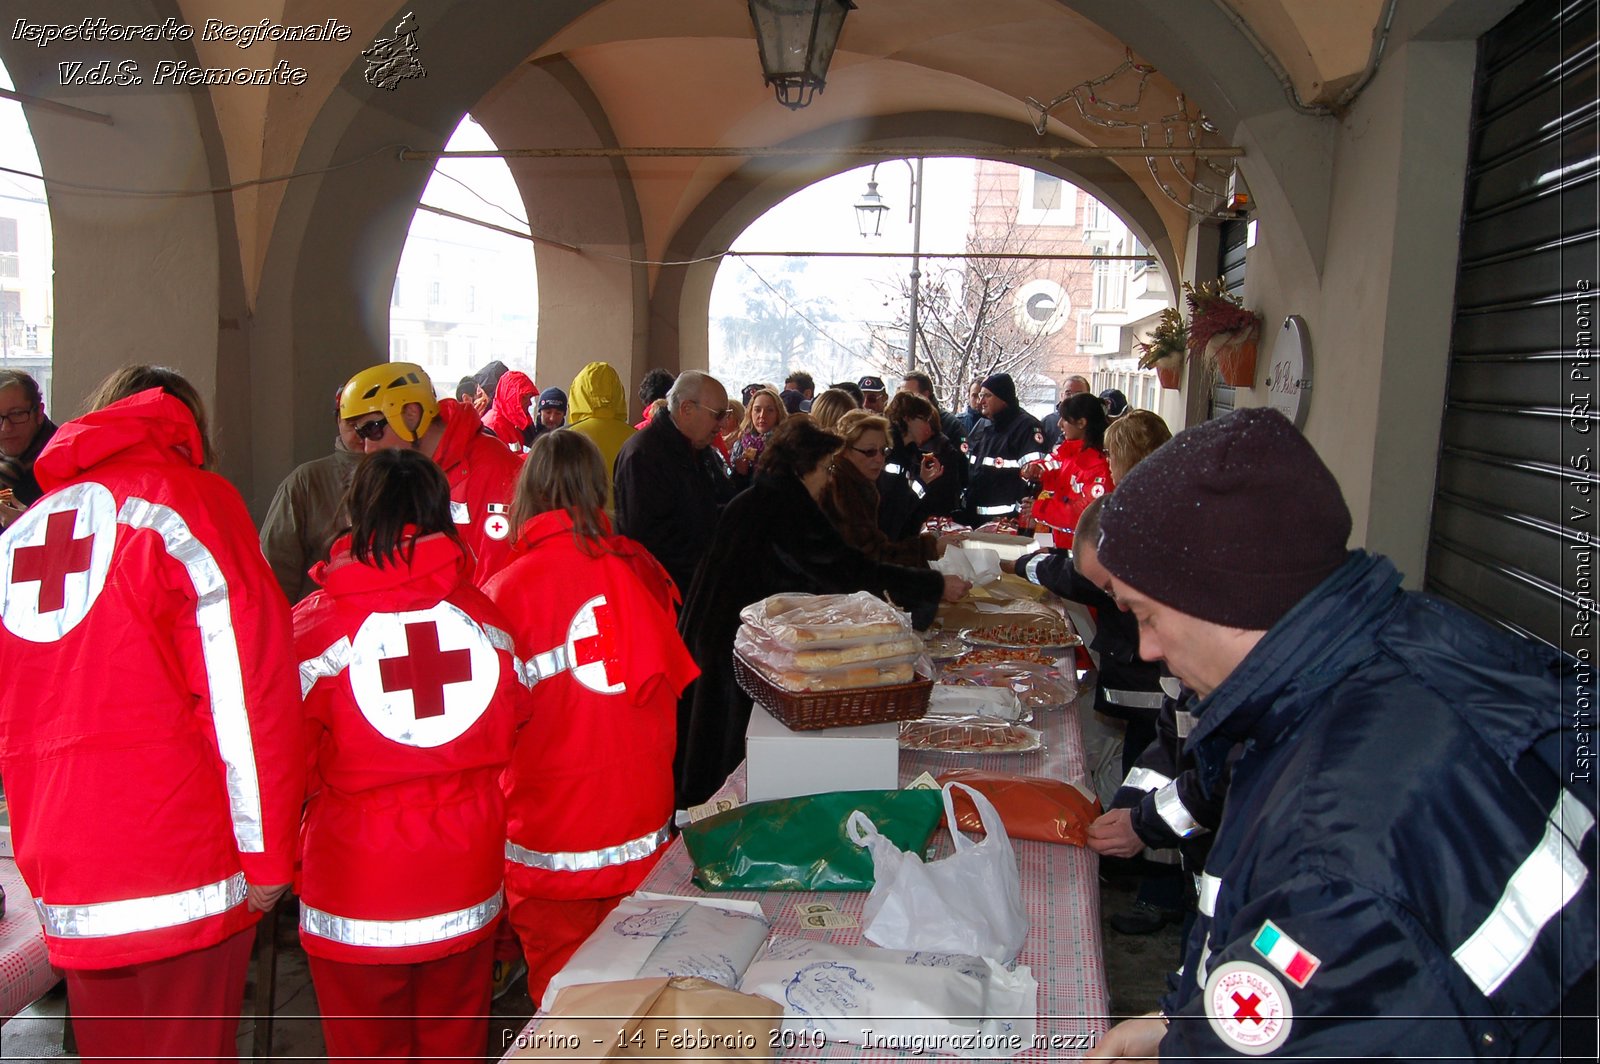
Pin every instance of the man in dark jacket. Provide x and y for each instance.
(24, 430)
(670, 483)
(1007, 439)
(1406, 860)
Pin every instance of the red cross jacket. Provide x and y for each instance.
(589, 794)
(483, 474)
(412, 696)
(150, 738)
(1074, 477)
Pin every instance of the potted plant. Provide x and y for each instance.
(1223, 331)
(1166, 347)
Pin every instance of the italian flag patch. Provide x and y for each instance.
(1285, 954)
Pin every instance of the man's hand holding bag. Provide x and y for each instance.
(969, 902)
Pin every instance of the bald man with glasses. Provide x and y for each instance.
(670, 483)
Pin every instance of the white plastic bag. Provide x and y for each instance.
(969, 902)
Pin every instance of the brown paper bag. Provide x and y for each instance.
(682, 1018)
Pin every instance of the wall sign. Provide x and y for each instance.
(1289, 379)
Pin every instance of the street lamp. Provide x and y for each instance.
(870, 210)
(797, 39)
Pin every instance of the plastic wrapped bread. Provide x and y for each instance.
(654, 935)
(914, 1001)
(805, 622)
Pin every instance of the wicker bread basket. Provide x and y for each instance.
(810, 710)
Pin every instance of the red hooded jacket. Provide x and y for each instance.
(1074, 476)
(589, 794)
(509, 413)
(483, 474)
(156, 767)
(412, 696)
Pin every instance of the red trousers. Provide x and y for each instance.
(436, 1010)
(551, 931)
(178, 1008)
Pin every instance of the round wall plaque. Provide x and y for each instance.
(1289, 379)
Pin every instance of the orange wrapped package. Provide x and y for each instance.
(1032, 807)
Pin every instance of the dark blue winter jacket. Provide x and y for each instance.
(1406, 862)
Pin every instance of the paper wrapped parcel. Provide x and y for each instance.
(654, 1019)
(892, 999)
(660, 935)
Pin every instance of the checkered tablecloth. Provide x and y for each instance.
(1059, 885)
(25, 972)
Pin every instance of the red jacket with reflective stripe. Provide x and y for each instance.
(594, 769)
(482, 473)
(1075, 476)
(150, 737)
(411, 700)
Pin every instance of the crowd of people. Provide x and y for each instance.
(483, 652)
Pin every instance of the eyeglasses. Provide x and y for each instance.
(20, 417)
(871, 452)
(716, 415)
(372, 430)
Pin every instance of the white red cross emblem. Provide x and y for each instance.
(497, 525)
(55, 560)
(1248, 1007)
(422, 677)
(592, 649)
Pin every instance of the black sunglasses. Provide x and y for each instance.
(372, 430)
(871, 452)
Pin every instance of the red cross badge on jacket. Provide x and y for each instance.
(422, 677)
(55, 560)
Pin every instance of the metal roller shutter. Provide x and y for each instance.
(1514, 505)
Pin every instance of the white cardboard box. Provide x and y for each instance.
(784, 763)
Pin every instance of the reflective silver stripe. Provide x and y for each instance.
(213, 616)
(1145, 779)
(1170, 807)
(1184, 722)
(589, 860)
(1031, 570)
(1209, 887)
(990, 511)
(1205, 960)
(499, 640)
(1538, 890)
(395, 934)
(1000, 463)
(894, 469)
(328, 664)
(1033, 456)
(132, 915)
(543, 666)
(1136, 699)
(459, 513)
(1172, 686)
(917, 489)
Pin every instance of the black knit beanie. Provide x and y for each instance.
(1001, 386)
(1233, 522)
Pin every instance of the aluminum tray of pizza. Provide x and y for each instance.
(1034, 633)
(994, 655)
(969, 735)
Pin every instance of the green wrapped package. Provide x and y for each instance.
(801, 844)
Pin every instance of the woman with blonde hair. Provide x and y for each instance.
(762, 417)
(830, 406)
(1131, 438)
(589, 791)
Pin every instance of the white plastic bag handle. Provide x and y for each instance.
(860, 828)
(988, 815)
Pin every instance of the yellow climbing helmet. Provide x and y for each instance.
(387, 388)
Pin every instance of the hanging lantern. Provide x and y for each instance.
(797, 39)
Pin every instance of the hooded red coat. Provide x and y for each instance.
(483, 474)
(156, 767)
(592, 774)
(510, 415)
(412, 696)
